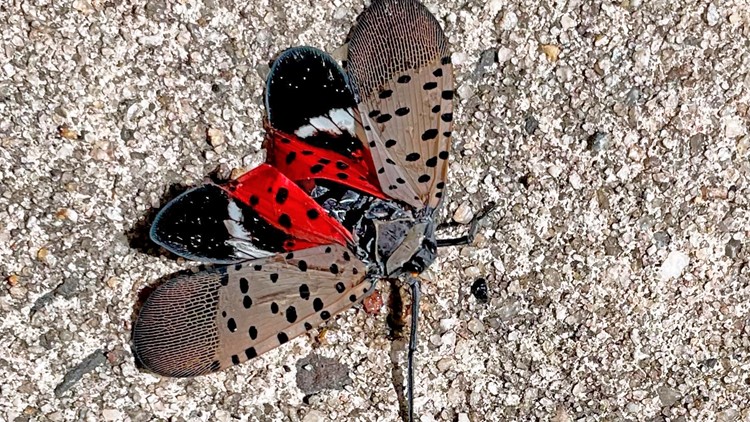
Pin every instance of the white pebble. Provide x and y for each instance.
(314, 416)
(504, 54)
(673, 266)
(509, 21)
(712, 15)
(111, 415)
(567, 22)
(575, 181)
(733, 127)
(463, 214)
(459, 58)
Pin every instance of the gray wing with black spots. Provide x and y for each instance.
(208, 321)
(400, 66)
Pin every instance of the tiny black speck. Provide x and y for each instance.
(302, 265)
(480, 291)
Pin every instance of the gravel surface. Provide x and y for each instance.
(613, 135)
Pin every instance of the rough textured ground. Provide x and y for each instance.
(613, 135)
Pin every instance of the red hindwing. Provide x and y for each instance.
(284, 205)
(300, 161)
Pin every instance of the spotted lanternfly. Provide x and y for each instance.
(356, 169)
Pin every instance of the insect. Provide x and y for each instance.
(355, 173)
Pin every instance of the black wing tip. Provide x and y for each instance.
(315, 74)
(197, 211)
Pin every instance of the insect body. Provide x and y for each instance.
(356, 168)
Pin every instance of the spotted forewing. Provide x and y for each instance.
(401, 70)
(208, 321)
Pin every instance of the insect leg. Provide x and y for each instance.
(469, 237)
(415, 294)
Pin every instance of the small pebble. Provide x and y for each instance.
(67, 133)
(463, 213)
(551, 51)
(712, 15)
(215, 137)
(733, 248)
(673, 265)
(531, 125)
(597, 142)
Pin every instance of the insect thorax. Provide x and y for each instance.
(388, 235)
